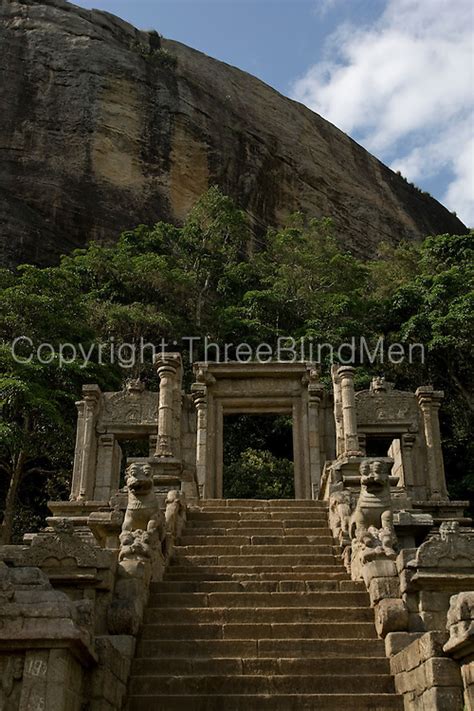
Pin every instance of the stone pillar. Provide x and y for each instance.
(429, 401)
(338, 411)
(345, 375)
(168, 367)
(199, 394)
(108, 467)
(83, 478)
(315, 393)
(407, 442)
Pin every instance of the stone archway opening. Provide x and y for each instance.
(258, 456)
(291, 389)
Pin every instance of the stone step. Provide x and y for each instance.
(315, 532)
(208, 549)
(315, 515)
(263, 702)
(267, 586)
(236, 540)
(223, 615)
(255, 560)
(253, 600)
(261, 503)
(258, 630)
(256, 525)
(252, 573)
(328, 648)
(253, 665)
(259, 684)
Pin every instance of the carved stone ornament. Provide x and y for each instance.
(449, 549)
(130, 406)
(61, 546)
(388, 406)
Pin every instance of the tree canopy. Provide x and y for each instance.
(208, 278)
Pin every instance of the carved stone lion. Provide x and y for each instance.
(143, 512)
(372, 520)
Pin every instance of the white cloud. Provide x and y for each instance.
(322, 7)
(404, 87)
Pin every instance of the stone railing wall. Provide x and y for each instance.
(411, 591)
(70, 611)
(460, 644)
(426, 677)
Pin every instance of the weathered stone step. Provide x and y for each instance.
(254, 574)
(231, 540)
(268, 586)
(277, 702)
(223, 615)
(253, 665)
(259, 630)
(253, 600)
(329, 648)
(262, 503)
(193, 530)
(260, 684)
(255, 560)
(256, 525)
(273, 550)
(258, 516)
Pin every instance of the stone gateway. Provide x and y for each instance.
(154, 592)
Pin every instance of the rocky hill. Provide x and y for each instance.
(104, 126)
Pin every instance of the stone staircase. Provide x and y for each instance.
(257, 612)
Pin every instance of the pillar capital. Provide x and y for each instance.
(199, 395)
(91, 394)
(428, 396)
(167, 361)
(345, 371)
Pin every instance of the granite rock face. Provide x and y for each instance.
(104, 127)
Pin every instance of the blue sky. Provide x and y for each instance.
(397, 75)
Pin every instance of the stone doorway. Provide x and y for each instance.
(257, 388)
(258, 457)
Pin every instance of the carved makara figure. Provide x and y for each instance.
(143, 512)
(372, 520)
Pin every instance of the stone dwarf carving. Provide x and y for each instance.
(340, 516)
(143, 511)
(372, 521)
(175, 515)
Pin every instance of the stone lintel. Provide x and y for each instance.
(443, 581)
(60, 637)
(273, 369)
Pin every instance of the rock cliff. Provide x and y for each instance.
(104, 127)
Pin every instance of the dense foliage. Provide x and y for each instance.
(209, 278)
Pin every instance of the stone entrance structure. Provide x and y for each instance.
(274, 388)
(238, 602)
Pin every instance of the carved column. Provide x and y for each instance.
(338, 411)
(429, 401)
(349, 416)
(168, 366)
(83, 478)
(108, 467)
(315, 393)
(199, 394)
(407, 442)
